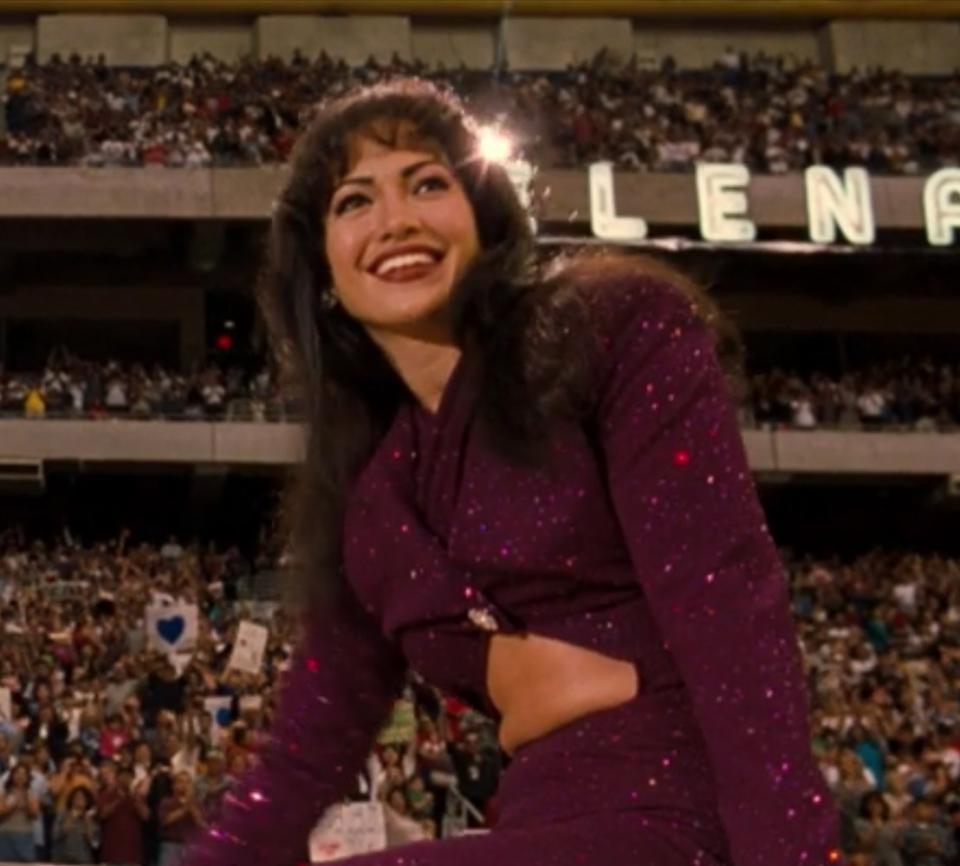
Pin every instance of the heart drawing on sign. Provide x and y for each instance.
(170, 629)
(223, 716)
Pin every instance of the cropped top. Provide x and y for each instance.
(641, 537)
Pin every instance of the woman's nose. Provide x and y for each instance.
(397, 219)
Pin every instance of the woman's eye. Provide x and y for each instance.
(437, 181)
(344, 203)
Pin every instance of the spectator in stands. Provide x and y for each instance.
(396, 799)
(898, 676)
(142, 766)
(213, 782)
(47, 728)
(874, 833)
(790, 114)
(478, 771)
(75, 829)
(6, 753)
(113, 737)
(420, 801)
(75, 772)
(122, 813)
(172, 550)
(18, 809)
(872, 405)
(897, 797)
(165, 690)
(927, 840)
(34, 405)
(180, 817)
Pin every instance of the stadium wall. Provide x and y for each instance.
(247, 193)
(17, 35)
(571, 40)
(224, 40)
(132, 303)
(351, 38)
(470, 43)
(252, 444)
(699, 48)
(124, 40)
(920, 47)
(835, 310)
(914, 47)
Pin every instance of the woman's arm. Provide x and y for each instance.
(90, 828)
(696, 533)
(342, 682)
(8, 805)
(172, 814)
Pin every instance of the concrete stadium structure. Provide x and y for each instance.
(920, 38)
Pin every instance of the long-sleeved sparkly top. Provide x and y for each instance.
(641, 537)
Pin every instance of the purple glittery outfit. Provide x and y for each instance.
(642, 538)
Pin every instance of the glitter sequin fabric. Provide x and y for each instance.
(642, 537)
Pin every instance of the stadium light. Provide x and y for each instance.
(494, 145)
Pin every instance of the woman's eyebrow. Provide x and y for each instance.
(407, 171)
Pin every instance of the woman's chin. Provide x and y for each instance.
(423, 319)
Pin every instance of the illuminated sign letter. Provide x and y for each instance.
(832, 202)
(941, 206)
(604, 221)
(722, 200)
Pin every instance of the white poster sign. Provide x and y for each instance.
(249, 647)
(171, 628)
(347, 829)
(219, 708)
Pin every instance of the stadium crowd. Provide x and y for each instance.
(775, 114)
(881, 638)
(70, 387)
(109, 747)
(903, 394)
(110, 750)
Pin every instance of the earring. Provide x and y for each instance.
(328, 300)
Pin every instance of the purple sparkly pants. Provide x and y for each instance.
(629, 786)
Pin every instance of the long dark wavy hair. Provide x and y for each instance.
(519, 320)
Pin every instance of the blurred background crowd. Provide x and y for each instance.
(108, 748)
(907, 393)
(773, 114)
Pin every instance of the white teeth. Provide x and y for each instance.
(403, 261)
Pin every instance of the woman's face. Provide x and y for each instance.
(391, 200)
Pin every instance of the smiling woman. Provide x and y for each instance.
(399, 234)
(528, 484)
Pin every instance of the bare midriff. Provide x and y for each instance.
(539, 684)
